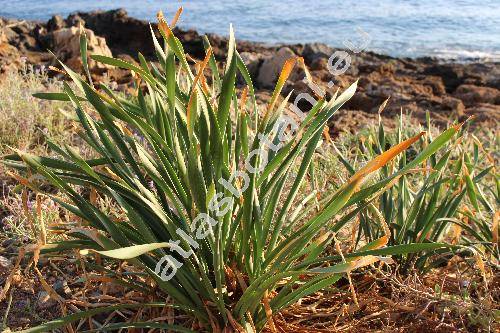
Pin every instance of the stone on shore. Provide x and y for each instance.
(450, 90)
(10, 58)
(55, 23)
(252, 61)
(314, 51)
(271, 67)
(66, 43)
(471, 94)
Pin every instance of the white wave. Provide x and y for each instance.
(461, 54)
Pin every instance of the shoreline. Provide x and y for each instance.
(272, 45)
(401, 30)
(450, 90)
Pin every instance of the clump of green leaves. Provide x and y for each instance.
(168, 154)
(451, 197)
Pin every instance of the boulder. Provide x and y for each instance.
(471, 94)
(66, 44)
(453, 104)
(10, 58)
(452, 74)
(350, 121)
(319, 64)
(362, 101)
(55, 23)
(271, 67)
(483, 74)
(314, 51)
(252, 61)
(436, 83)
(123, 34)
(3, 34)
(487, 114)
(75, 20)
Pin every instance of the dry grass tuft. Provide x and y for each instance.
(24, 119)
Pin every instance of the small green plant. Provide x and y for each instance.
(443, 199)
(201, 187)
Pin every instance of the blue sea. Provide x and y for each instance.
(463, 29)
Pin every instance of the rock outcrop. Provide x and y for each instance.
(270, 69)
(66, 45)
(472, 95)
(10, 58)
(314, 51)
(450, 91)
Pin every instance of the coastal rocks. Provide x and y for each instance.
(22, 35)
(315, 51)
(252, 62)
(9, 55)
(128, 35)
(74, 20)
(123, 33)
(3, 33)
(319, 63)
(447, 90)
(362, 101)
(454, 105)
(482, 74)
(401, 88)
(485, 113)
(55, 23)
(471, 94)
(436, 84)
(349, 120)
(451, 74)
(66, 43)
(271, 67)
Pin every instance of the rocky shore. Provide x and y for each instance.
(450, 91)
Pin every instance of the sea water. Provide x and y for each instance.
(464, 29)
